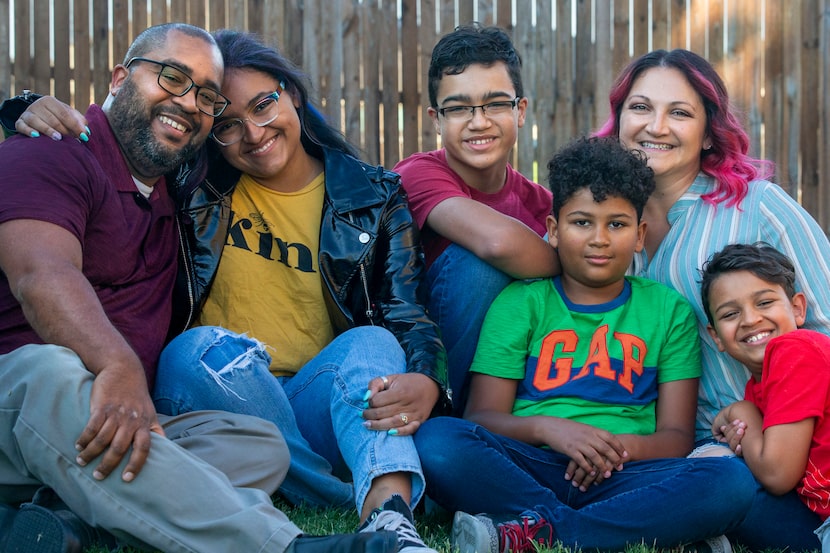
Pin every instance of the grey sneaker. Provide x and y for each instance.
(396, 516)
(718, 544)
(486, 534)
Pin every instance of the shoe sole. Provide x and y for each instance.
(469, 535)
(36, 531)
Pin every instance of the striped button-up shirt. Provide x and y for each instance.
(700, 229)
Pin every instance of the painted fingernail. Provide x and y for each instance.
(367, 395)
(365, 404)
(34, 134)
(392, 431)
(367, 424)
(88, 132)
(56, 136)
(84, 137)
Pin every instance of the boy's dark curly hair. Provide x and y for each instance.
(605, 167)
(760, 259)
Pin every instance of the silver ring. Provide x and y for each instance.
(404, 419)
(385, 382)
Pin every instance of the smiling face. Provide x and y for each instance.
(158, 131)
(478, 148)
(595, 241)
(272, 154)
(748, 312)
(664, 117)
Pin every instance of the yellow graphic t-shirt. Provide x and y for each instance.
(268, 284)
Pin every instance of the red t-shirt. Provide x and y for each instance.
(428, 180)
(129, 242)
(795, 385)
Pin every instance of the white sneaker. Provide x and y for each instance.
(396, 516)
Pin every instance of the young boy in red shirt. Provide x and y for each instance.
(782, 428)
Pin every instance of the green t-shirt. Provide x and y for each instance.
(596, 364)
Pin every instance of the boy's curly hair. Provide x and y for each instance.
(604, 166)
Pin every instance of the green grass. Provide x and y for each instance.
(434, 529)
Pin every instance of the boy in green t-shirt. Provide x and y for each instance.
(564, 432)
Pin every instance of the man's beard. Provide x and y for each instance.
(128, 115)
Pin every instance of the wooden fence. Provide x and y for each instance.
(368, 61)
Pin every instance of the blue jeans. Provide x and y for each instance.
(318, 410)
(662, 502)
(461, 289)
(774, 521)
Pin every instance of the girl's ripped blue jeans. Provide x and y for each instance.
(333, 456)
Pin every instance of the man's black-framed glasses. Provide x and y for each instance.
(231, 131)
(178, 83)
(490, 109)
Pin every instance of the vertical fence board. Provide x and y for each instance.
(604, 65)
(523, 39)
(370, 47)
(61, 48)
(81, 55)
(409, 72)
(101, 67)
(391, 98)
(427, 38)
(810, 193)
(41, 59)
(621, 32)
(775, 91)
(139, 16)
(351, 72)
(640, 30)
(585, 65)
(120, 30)
(158, 12)
(22, 68)
(660, 25)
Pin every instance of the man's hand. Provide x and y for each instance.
(122, 415)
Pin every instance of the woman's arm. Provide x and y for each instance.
(44, 115)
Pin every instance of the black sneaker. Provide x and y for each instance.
(36, 529)
(487, 534)
(396, 516)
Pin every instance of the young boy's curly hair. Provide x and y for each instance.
(605, 167)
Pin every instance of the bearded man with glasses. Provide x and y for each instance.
(481, 220)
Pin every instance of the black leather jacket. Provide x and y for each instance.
(370, 258)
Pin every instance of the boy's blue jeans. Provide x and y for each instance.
(461, 289)
(318, 410)
(666, 502)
